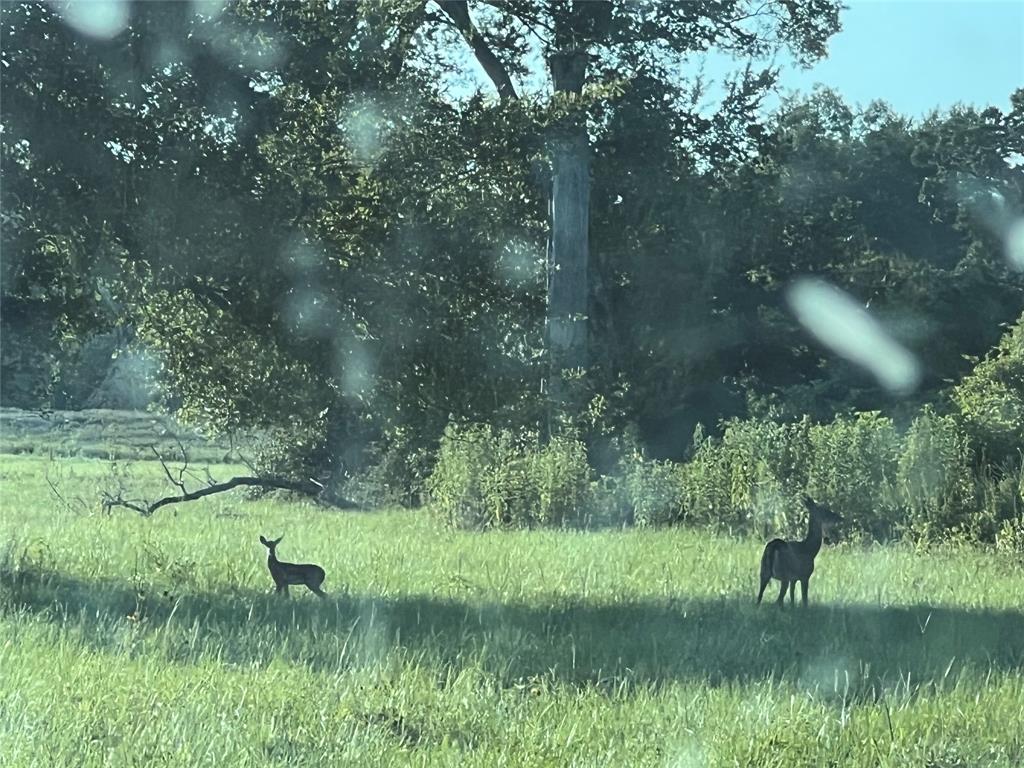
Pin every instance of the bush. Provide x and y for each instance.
(999, 502)
(652, 490)
(754, 476)
(937, 487)
(1010, 538)
(853, 468)
(884, 484)
(991, 400)
(740, 481)
(395, 472)
(485, 478)
(559, 476)
(927, 483)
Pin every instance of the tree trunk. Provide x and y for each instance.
(568, 245)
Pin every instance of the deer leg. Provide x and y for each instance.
(792, 592)
(782, 593)
(804, 584)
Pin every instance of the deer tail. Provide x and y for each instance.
(768, 558)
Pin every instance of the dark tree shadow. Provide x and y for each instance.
(846, 650)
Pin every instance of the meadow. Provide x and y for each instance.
(130, 641)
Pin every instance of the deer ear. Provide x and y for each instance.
(263, 541)
(278, 541)
(808, 501)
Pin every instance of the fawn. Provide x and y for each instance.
(793, 561)
(283, 574)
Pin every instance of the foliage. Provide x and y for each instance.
(991, 400)
(1010, 537)
(923, 483)
(485, 478)
(936, 478)
(853, 468)
(652, 491)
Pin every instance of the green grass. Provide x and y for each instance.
(129, 641)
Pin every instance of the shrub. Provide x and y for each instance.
(853, 467)
(999, 502)
(991, 400)
(754, 476)
(1010, 538)
(704, 484)
(936, 484)
(559, 478)
(924, 483)
(653, 491)
(946, 474)
(397, 467)
(485, 478)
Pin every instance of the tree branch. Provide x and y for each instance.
(180, 482)
(458, 12)
(146, 508)
(307, 487)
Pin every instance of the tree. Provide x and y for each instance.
(587, 46)
(311, 251)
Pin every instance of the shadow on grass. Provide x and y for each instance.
(848, 650)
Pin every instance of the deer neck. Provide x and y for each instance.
(812, 542)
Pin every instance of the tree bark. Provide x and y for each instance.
(568, 244)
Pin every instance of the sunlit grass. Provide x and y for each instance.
(130, 641)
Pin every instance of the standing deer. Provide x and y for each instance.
(283, 574)
(793, 561)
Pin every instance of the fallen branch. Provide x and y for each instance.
(144, 508)
(180, 482)
(307, 487)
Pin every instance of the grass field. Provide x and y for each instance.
(104, 434)
(130, 641)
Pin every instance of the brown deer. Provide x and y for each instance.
(793, 561)
(283, 574)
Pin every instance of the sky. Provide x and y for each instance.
(917, 55)
(920, 55)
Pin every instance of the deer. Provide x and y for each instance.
(793, 561)
(283, 574)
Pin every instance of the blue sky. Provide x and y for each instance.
(923, 54)
(917, 55)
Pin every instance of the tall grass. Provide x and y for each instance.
(126, 641)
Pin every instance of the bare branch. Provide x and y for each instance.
(305, 487)
(178, 483)
(184, 468)
(145, 508)
(56, 492)
(109, 502)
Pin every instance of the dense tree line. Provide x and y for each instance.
(290, 219)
